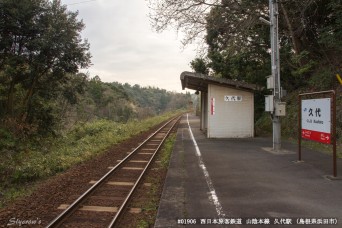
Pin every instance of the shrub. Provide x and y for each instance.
(82, 143)
(7, 140)
(323, 79)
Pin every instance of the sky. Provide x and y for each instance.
(125, 48)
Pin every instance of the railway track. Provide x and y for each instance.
(104, 203)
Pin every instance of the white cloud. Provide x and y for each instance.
(124, 47)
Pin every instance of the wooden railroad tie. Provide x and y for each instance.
(133, 168)
(100, 209)
(120, 183)
(152, 144)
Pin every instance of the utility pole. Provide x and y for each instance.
(273, 102)
(273, 4)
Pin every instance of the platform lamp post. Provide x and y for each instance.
(276, 107)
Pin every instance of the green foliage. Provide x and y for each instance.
(40, 53)
(96, 89)
(143, 224)
(322, 79)
(13, 193)
(238, 44)
(53, 155)
(331, 29)
(167, 151)
(259, 104)
(7, 139)
(123, 102)
(199, 65)
(263, 125)
(80, 144)
(41, 93)
(237, 50)
(150, 100)
(303, 67)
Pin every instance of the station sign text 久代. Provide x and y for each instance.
(316, 120)
(232, 98)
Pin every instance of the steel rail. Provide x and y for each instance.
(120, 210)
(72, 207)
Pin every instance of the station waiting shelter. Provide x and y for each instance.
(227, 106)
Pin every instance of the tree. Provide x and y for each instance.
(309, 33)
(188, 16)
(40, 44)
(191, 16)
(299, 20)
(199, 65)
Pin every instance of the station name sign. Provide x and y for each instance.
(316, 120)
(232, 98)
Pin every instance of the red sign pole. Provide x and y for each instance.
(299, 128)
(334, 133)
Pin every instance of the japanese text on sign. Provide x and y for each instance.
(258, 221)
(232, 98)
(212, 106)
(316, 120)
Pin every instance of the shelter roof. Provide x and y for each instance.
(197, 81)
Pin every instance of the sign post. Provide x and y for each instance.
(317, 121)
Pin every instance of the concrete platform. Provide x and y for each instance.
(239, 181)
